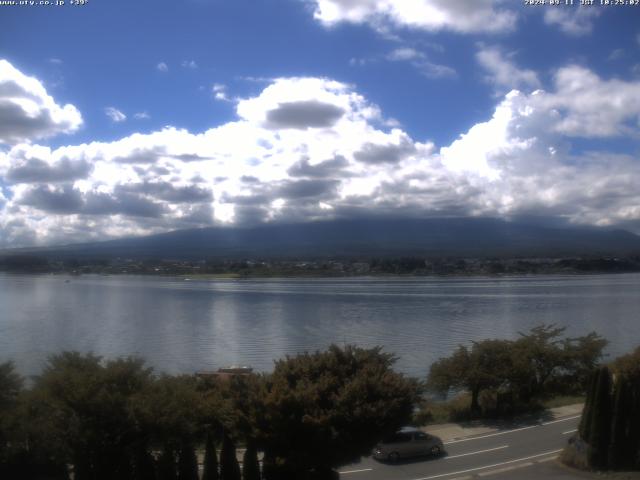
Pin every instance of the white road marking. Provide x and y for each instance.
(561, 420)
(356, 471)
(490, 466)
(475, 453)
(511, 431)
(570, 431)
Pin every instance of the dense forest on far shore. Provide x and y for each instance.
(337, 267)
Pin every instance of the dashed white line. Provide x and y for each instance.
(570, 431)
(475, 453)
(490, 466)
(356, 471)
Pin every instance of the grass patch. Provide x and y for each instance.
(563, 400)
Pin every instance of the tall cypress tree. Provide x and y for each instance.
(167, 465)
(619, 445)
(210, 460)
(187, 463)
(229, 468)
(634, 433)
(143, 464)
(587, 411)
(600, 422)
(250, 465)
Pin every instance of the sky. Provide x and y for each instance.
(121, 118)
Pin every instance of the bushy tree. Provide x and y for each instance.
(485, 366)
(538, 364)
(86, 406)
(327, 409)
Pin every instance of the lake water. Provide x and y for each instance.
(183, 326)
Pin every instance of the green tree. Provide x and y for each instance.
(327, 409)
(85, 407)
(628, 365)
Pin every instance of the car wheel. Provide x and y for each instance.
(436, 450)
(393, 457)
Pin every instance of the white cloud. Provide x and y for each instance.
(421, 62)
(503, 73)
(28, 112)
(464, 16)
(220, 92)
(404, 54)
(315, 148)
(55, 61)
(141, 116)
(191, 64)
(162, 67)
(572, 21)
(114, 114)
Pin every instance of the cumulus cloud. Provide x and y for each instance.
(162, 67)
(463, 16)
(28, 112)
(312, 148)
(502, 72)
(115, 115)
(141, 116)
(572, 21)
(219, 91)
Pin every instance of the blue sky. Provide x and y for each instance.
(125, 118)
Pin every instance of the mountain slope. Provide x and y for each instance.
(360, 238)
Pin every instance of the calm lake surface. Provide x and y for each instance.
(182, 326)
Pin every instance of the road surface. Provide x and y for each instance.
(478, 455)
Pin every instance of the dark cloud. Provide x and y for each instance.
(189, 157)
(166, 191)
(376, 154)
(142, 155)
(249, 179)
(124, 204)
(303, 115)
(306, 188)
(16, 125)
(35, 170)
(323, 169)
(65, 200)
(254, 198)
(68, 200)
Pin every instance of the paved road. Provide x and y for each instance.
(478, 455)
